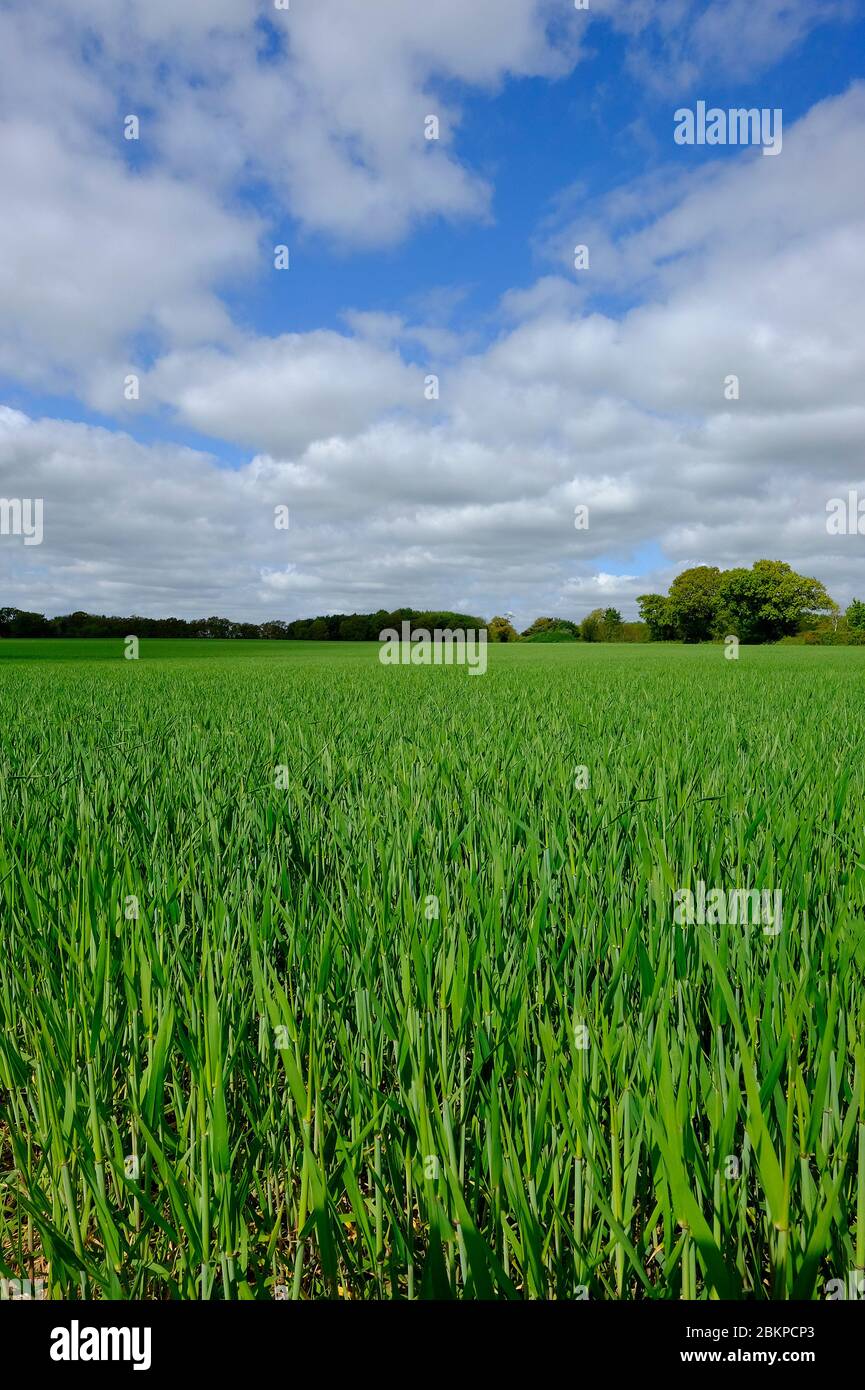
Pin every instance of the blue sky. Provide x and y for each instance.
(305, 387)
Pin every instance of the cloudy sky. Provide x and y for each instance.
(412, 259)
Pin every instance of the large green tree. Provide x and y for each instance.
(769, 601)
(655, 613)
(692, 605)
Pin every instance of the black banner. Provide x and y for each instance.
(240, 1339)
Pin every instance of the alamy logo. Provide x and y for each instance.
(735, 127)
(441, 647)
(21, 1290)
(845, 516)
(853, 1289)
(22, 516)
(76, 1343)
(739, 907)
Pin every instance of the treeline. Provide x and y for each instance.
(335, 627)
(602, 625)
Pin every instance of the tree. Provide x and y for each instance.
(447, 621)
(500, 630)
(552, 630)
(539, 625)
(591, 628)
(220, 627)
(655, 613)
(769, 601)
(693, 603)
(15, 622)
(354, 629)
(855, 615)
(612, 624)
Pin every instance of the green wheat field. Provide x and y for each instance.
(321, 978)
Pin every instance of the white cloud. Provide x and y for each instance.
(283, 394)
(92, 255)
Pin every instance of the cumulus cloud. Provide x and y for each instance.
(283, 394)
(92, 256)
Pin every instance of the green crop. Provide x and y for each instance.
(320, 978)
